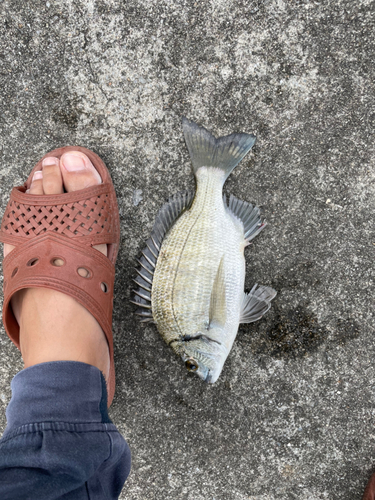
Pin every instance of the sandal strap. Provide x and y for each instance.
(84, 215)
(32, 265)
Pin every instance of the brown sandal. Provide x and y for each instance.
(369, 493)
(44, 228)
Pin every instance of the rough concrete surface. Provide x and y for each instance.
(292, 415)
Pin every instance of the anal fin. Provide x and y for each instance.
(256, 303)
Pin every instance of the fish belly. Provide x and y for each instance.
(187, 265)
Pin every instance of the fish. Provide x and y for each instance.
(191, 274)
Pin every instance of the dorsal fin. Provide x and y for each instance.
(164, 220)
(248, 214)
(218, 310)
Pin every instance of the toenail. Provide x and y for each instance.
(37, 175)
(72, 162)
(49, 161)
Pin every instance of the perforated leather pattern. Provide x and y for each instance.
(82, 218)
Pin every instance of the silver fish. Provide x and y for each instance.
(192, 271)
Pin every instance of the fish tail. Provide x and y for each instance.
(207, 151)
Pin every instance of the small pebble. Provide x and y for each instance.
(137, 196)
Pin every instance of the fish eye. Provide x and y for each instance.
(191, 365)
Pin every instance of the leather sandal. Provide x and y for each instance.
(44, 228)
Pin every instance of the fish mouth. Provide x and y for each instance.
(208, 377)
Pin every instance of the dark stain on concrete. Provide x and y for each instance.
(67, 114)
(294, 333)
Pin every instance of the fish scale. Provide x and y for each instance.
(194, 260)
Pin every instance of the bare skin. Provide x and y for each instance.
(53, 326)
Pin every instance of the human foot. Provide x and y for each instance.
(54, 326)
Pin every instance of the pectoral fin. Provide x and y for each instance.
(256, 303)
(218, 307)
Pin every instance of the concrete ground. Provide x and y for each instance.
(292, 415)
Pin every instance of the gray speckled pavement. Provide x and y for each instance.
(292, 415)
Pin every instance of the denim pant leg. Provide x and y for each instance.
(59, 443)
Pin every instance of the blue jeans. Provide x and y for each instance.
(59, 443)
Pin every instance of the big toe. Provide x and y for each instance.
(78, 172)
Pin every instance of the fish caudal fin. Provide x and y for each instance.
(207, 151)
(256, 303)
(248, 214)
(165, 219)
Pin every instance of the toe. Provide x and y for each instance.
(78, 172)
(52, 179)
(36, 186)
